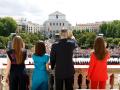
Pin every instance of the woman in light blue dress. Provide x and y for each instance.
(40, 74)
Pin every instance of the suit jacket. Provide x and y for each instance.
(98, 69)
(61, 58)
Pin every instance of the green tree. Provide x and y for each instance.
(3, 41)
(116, 41)
(111, 29)
(90, 39)
(31, 38)
(109, 40)
(25, 36)
(7, 25)
(103, 28)
(40, 36)
(85, 39)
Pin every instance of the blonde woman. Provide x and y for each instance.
(15, 65)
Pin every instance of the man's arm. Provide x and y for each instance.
(73, 43)
(52, 57)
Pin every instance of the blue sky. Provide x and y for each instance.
(76, 11)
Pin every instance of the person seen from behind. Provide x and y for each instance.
(16, 71)
(40, 73)
(97, 72)
(61, 59)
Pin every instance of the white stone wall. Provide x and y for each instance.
(55, 23)
(33, 27)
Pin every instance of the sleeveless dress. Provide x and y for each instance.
(40, 74)
(17, 77)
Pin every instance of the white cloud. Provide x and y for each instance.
(76, 11)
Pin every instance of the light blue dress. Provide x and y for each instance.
(40, 75)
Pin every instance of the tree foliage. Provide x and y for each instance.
(31, 38)
(111, 29)
(85, 39)
(7, 25)
(3, 42)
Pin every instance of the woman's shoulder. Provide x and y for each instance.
(34, 55)
(107, 54)
(10, 50)
(11, 55)
(92, 53)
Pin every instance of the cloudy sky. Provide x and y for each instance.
(76, 11)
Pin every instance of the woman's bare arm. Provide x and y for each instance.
(8, 68)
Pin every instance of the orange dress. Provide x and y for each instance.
(98, 69)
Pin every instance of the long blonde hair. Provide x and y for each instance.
(17, 45)
(70, 34)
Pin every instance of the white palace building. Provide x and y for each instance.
(55, 23)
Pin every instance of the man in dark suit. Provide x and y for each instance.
(61, 59)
